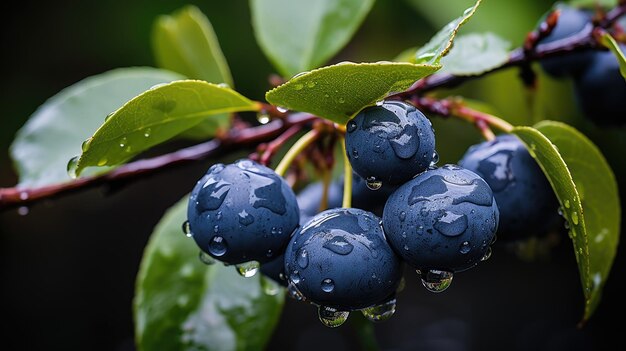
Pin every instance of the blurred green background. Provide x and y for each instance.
(68, 267)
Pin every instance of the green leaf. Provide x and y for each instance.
(185, 42)
(298, 35)
(182, 304)
(593, 3)
(440, 44)
(158, 115)
(608, 41)
(54, 132)
(599, 195)
(475, 53)
(340, 91)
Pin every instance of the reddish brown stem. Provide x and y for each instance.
(277, 143)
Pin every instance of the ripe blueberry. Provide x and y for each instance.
(571, 22)
(340, 259)
(601, 90)
(390, 143)
(242, 212)
(524, 196)
(442, 221)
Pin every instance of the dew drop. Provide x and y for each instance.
(123, 142)
(245, 218)
(303, 258)
(380, 102)
(72, 165)
(486, 255)
(567, 205)
(102, 162)
(294, 293)
(281, 109)
(351, 126)
(248, 269)
(223, 85)
(107, 117)
(373, 183)
(298, 86)
(206, 258)
(270, 287)
(85, 145)
(380, 312)
(465, 247)
(339, 245)
(575, 218)
(425, 56)
(217, 246)
(328, 285)
(341, 100)
(263, 117)
(216, 229)
(406, 247)
(219, 215)
(402, 216)
(451, 224)
(147, 132)
(436, 280)
(187, 229)
(216, 168)
(311, 84)
(330, 317)
(435, 158)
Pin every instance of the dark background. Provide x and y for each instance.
(67, 268)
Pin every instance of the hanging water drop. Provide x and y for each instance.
(281, 109)
(402, 216)
(486, 255)
(85, 145)
(436, 280)
(381, 312)
(380, 102)
(187, 229)
(328, 285)
(435, 158)
(107, 117)
(330, 317)
(373, 183)
(270, 287)
(294, 293)
(206, 258)
(248, 269)
(72, 165)
(263, 117)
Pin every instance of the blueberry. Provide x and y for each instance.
(275, 270)
(242, 212)
(340, 259)
(601, 90)
(390, 143)
(442, 221)
(524, 196)
(310, 197)
(571, 22)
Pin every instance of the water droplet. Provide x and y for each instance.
(575, 218)
(294, 293)
(406, 247)
(424, 211)
(341, 100)
(380, 312)
(560, 211)
(567, 205)
(147, 132)
(339, 245)
(380, 102)
(218, 246)
(435, 159)
(248, 269)
(123, 142)
(187, 229)
(294, 277)
(281, 109)
(468, 11)
(102, 162)
(436, 280)
(303, 259)
(298, 86)
(328, 285)
(311, 84)
(355, 153)
(451, 224)
(425, 56)
(465, 247)
(219, 215)
(402, 216)
(216, 229)
(351, 126)
(487, 254)
(263, 117)
(270, 287)
(223, 85)
(72, 165)
(216, 168)
(330, 317)
(373, 183)
(85, 145)
(245, 218)
(206, 258)
(107, 117)
(406, 144)
(23, 210)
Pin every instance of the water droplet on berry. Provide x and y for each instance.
(373, 183)
(217, 246)
(451, 224)
(486, 255)
(436, 281)
(339, 245)
(380, 102)
(465, 247)
(216, 229)
(351, 126)
(206, 258)
(405, 144)
(402, 216)
(245, 218)
(248, 269)
(294, 293)
(294, 277)
(380, 312)
(303, 258)
(330, 317)
(187, 229)
(72, 165)
(328, 285)
(435, 158)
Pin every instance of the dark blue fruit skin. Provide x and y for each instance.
(443, 219)
(524, 196)
(348, 247)
(310, 197)
(392, 142)
(571, 22)
(601, 90)
(275, 269)
(249, 206)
